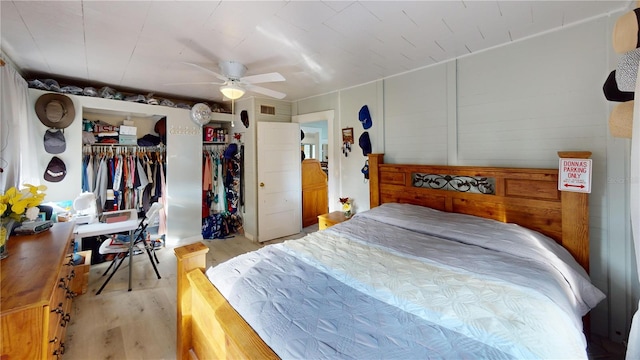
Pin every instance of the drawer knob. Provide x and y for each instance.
(65, 319)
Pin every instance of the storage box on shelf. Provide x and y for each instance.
(127, 140)
(128, 130)
(128, 135)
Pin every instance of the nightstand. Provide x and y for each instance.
(330, 219)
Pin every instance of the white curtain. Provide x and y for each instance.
(633, 349)
(19, 163)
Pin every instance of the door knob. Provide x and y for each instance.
(261, 184)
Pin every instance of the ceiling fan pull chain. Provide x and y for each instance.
(232, 113)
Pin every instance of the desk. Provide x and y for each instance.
(98, 228)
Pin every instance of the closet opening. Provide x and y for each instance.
(124, 162)
(222, 180)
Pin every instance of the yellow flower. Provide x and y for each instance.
(15, 202)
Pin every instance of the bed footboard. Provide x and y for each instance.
(208, 327)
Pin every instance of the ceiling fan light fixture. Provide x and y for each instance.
(232, 91)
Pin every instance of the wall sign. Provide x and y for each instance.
(574, 175)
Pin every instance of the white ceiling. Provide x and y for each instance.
(318, 46)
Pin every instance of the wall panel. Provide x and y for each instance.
(415, 111)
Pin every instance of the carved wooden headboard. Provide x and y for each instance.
(527, 197)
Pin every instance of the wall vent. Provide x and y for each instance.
(267, 110)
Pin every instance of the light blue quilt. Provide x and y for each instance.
(383, 286)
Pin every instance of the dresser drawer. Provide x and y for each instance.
(323, 224)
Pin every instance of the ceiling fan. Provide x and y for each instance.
(234, 84)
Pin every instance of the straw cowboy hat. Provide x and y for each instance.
(621, 120)
(55, 110)
(625, 32)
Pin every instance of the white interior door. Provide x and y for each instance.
(279, 183)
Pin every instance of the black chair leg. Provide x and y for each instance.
(152, 262)
(153, 250)
(111, 275)
(111, 265)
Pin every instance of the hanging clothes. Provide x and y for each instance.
(221, 191)
(101, 182)
(129, 172)
(206, 172)
(219, 200)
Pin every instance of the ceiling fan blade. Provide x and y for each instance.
(262, 78)
(221, 77)
(265, 91)
(195, 83)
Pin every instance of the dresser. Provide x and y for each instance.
(330, 219)
(35, 297)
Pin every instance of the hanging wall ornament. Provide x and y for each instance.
(347, 140)
(346, 148)
(244, 116)
(200, 114)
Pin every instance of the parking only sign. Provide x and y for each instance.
(575, 175)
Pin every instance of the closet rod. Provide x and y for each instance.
(119, 148)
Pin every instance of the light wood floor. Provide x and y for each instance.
(141, 324)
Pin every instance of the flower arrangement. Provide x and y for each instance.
(17, 204)
(346, 206)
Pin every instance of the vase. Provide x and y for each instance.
(347, 214)
(4, 239)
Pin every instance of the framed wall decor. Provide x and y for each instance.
(347, 135)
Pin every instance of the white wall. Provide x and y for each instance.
(522, 103)
(353, 183)
(416, 113)
(515, 105)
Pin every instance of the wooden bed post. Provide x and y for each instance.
(190, 257)
(374, 179)
(575, 217)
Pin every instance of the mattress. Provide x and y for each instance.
(404, 281)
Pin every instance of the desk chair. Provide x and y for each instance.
(122, 247)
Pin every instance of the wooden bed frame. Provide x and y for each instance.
(208, 327)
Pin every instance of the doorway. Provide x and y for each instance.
(323, 150)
